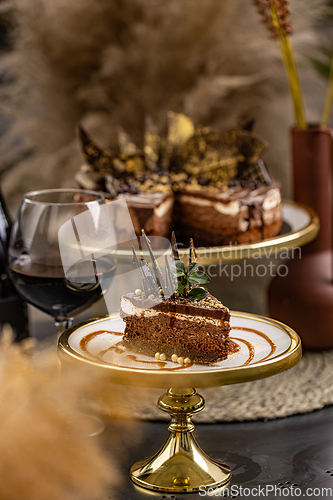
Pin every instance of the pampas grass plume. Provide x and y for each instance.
(46, 453)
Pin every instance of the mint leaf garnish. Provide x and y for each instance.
(177, 268)
(197, 293)
(198, 278)
(192, 267)
(187, 276)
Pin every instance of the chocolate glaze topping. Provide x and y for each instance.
(209, 307)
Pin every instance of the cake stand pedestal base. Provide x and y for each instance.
(180, 465)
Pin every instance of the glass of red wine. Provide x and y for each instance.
(51, 264)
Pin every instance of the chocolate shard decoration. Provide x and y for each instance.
(256, 172)
(152, 286)
(180, 129)
(247, 124)
(129, 164)
(126, 145)
(152, 144)
(215, 156)
(156, 267)
(250, 145)
(145, 283)
(174, 247)
(192, 252)
(112, 185)
(100, 159)
(208, 154)
(169, 278)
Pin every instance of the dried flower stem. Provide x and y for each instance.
(329, 98)
(291, 69)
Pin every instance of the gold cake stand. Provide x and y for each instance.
(181, 465)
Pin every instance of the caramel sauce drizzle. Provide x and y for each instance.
(90, 336)
(261, 334)
(233, 347)
(160, 364)
(117, 348)
(250, 348)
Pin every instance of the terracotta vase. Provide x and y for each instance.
(303, 299)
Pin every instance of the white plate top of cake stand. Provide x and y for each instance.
(266, 347)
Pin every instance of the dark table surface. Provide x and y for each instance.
(286, 458)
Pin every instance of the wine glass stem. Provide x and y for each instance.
(62, 325)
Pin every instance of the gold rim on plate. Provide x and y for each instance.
(199, 378)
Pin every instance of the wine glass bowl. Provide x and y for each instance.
(48, 262)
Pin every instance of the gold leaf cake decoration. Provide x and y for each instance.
(192, 155)
(204, 182)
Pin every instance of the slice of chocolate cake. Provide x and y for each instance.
(187, 326)
(177, 327)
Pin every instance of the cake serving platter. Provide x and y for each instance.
(267, 347)
(301, 225)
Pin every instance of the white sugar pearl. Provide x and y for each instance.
(157, 355)
(180, 361)
(138, 291)
(162, 357)
(187, 361)
(174, 358)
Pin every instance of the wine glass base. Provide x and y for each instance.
(62, 325)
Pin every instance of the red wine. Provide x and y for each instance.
(62, 296)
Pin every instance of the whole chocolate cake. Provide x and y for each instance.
(211, 185)
(185, 326)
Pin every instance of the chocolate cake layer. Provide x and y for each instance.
(188, 329)
(200, 341)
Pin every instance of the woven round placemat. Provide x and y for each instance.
(306, 387)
